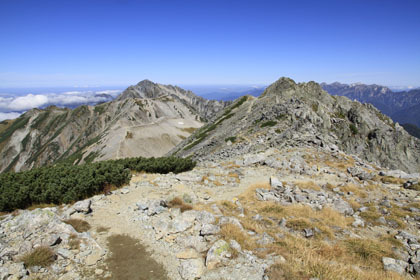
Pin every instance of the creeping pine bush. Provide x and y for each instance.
(65, 183)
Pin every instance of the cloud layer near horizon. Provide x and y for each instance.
(12, 106)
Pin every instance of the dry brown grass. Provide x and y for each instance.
(340, 164)
(307, 185)
(312, 258)
(217, 183)
(357, 191)
(371, 215)
(369, 251)
(354, 204)
(234, 175)
(102, 229)
(190, 130)
(298, 216)
(74, 242)
(392, 180)
(233, 232)
(78, 224)
(178, 202)
(40, 256)
(415, 187)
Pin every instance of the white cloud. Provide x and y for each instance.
(9, 116)
(65, 99)
(28, 101)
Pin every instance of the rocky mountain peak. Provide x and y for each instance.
(280, 85)
(290, 114)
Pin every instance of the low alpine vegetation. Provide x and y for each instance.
(40, 256)
(67, 183)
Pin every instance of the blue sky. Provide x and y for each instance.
(120, 42)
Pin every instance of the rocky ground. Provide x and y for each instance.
(298, 213)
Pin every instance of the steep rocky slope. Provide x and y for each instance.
(289, 114)
(147, 89)
(148, 123)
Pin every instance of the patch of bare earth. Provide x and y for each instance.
(129, 259)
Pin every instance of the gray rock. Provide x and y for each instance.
(358, 222)
(343, 207)
(391, 264)
(191, 269)
(230, 220)
(156, 207)
(275, 183)
(205, 217)
(359, 173)
(253, 159)
(17, 270)
(235, 245)
(266, 195)
(83, 206)
(217, 254)
(209, 229)
(142, 206)
(124, 191)
(67, 254)
(416, 269)
(265, 239)
(4, 273)
(308, 232)
(179, 225)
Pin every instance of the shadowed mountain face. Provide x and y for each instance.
(290, 114)
(402, 107)
(145, 120)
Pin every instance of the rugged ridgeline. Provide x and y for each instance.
(402, 107)
(145, 120)
(289, 114)
(205, 108)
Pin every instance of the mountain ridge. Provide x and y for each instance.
(400, 106)
(158, 120)
(294, 114)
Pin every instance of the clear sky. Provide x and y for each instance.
(120, 42)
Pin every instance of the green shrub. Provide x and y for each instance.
(65, 183)
(354, 129)
(269, 123)
(231, 139)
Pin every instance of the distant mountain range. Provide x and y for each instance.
(228, 92)
(147, 119)
(402, 107)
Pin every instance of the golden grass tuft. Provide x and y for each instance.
(368, 250)
(177, 202)
(40, 256)
(102, 229)
(78, 224)
(233, 232)
(307, 185)
(313, 258)
(74, 242)
(357, 191)
(392, 180)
